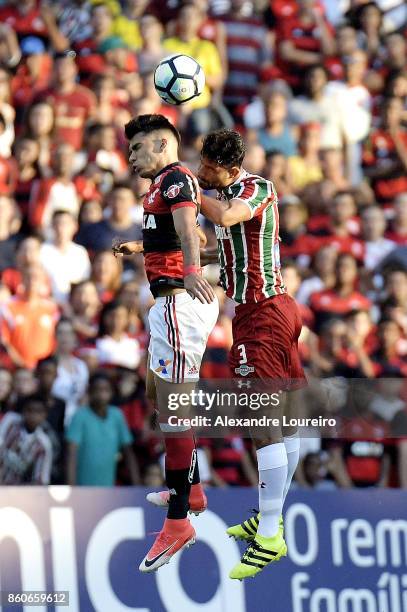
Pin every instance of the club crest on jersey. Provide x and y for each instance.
(244, 370)
(173, 190)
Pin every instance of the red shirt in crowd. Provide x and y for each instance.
(72, 110)
(380, 151)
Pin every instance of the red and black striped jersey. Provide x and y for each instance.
(173, 187)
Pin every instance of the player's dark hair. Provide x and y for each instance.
(148, 124)
(224, 147)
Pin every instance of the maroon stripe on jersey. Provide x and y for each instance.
(228, 257)
(248, 190)
(183, 366)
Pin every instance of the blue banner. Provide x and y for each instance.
(347, 552)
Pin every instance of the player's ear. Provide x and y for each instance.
(163, 144)
(234, 172)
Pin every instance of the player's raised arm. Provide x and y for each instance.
(225, 213)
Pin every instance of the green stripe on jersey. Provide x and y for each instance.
(239, 247)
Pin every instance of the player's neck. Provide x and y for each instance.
(166, 161)
(237, 178)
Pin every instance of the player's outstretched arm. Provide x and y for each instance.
(185, 226)
(225, 213)
(119, 247)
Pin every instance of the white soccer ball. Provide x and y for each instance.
(179, 79)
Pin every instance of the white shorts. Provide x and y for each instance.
(179, 330)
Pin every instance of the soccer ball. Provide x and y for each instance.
(179, 79)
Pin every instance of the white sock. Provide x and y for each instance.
(292, 446)
(272, 466)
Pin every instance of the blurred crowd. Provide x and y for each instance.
(319, 90)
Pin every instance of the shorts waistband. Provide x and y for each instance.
(178, 298)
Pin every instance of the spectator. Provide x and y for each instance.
(151, 50)
(317, 467)
(188, 42)
(106, 274)
(323, 266)
(128, 25)
(65, 262)
(25, 449)
(385, 154)
(71, 376)
(46, 372)
(117, 224)
(114, 346)
(8, 239)
(74, 19)
(277, 135)
(276, 167)
(27, 18)
(7, 115)
(32, 75)
(6, 385)
(27, 152)
(305, 168)
(304, 39)
(84, 310)
(296, 243)
(24, 384)
(248, 52)
(28, 321)
(342, 298)
(376, 245)
(28, 254)
(73, 103)
(389, 359)
(40, 124)
(395, 305)
(90, 60)
(59, 192)
(96, 435)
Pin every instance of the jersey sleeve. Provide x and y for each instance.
(257, 194)
(178, 190)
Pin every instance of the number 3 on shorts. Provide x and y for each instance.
(242, 349)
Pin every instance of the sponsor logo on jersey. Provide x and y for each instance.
(149, 221)
(193, 370)
(162, 368)
(244, 370)
(173, 190)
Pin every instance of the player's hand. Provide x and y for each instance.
(120, 247)
(199, 287)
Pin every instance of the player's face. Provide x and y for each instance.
(213, 176)
(144, 154)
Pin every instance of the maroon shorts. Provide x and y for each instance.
(265, 342)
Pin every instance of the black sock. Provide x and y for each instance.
(179, 485)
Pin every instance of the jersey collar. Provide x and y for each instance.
(241, 176)
(165, 169)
